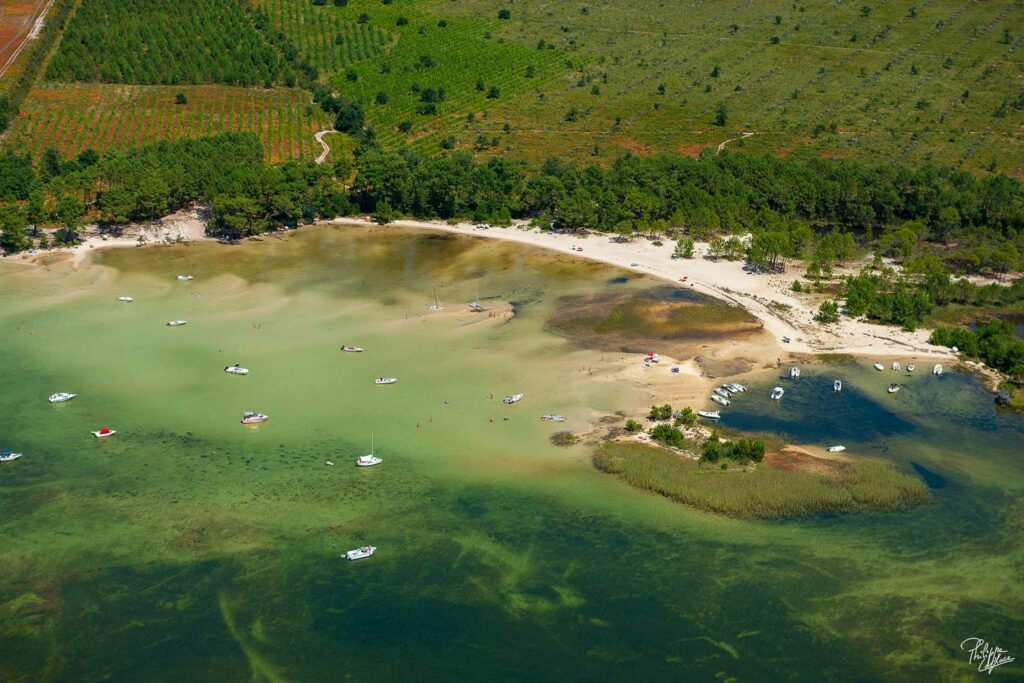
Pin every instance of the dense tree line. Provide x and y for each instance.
(164, 42)
(995, 343)
(225, 173)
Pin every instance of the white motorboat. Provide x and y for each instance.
(104, 432)
(360, 553)
(879, 367)
(126, 299)
(910, 368)
(896, 366)
(368, 460)
(719, 400)
(352, 349)
(185, 278)
(893, 388)
(553, 418)
(328, 462)
(777, 393)
(436, 306)
(236, 369)
(721, 392)
(710, 414)
(937, 370)
(731, 388)
(176, 323)
(794, 373)
(251, 418)
(836, 449)
(385, 380)
(513, 398)
(738, 386)
(9, 456)
(61, 397)
(837, 385)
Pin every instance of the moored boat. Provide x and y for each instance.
(710, 414)
(370, 459)
(721, 392)
(360, 553)
(236, 369)
(836, 449)
(777, 393)
(937, 370)
(176, 323)
(512, 398)
(9, 456)
(731, 388)
(896, 365)
(879, 367)
(352, 349)
(185, 278)
(60, 397)
(385, 380)
(719, 400)
(104, 432)
(251, 418)
(910, 368)
(739, 387)
(125, 299)
(553, 418)
(893, 388)
(794, 373)
(837, 385)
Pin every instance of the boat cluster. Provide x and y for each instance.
(723, 395)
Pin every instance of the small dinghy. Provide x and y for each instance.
(176, 323)
(236, 369)
(710, 414)
(937, 370)
(368, 460)
(60, 397)
(185, 278)
(738, 386)
(553, 418)
(251, 418)
(910, 368)
(896, 366)
(879, 367)
(837, 386)
(836, 449)
(9, 456)
(893, 388)
(385, 380)
(794, 373)
(125, 299)
(328, 462)
(360, 553)
(104, 432)
(777, 393)
(719, 400)
(721, 392)
(513, 398)
(352, 349)
(731, 388)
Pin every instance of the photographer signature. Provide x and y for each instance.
(988, 657)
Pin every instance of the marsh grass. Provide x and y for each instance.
(765, 492)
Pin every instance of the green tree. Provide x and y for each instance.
(13, 223)
(828, 312)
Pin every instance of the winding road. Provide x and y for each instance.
(327, 150)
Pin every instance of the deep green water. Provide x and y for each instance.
(190, 547)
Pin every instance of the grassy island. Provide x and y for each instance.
(784, 485)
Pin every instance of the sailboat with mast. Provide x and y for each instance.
(475, 304)
(436, 306)
(368, 460)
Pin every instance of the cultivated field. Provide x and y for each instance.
(902, 80)
(71, 118)
(17, 17)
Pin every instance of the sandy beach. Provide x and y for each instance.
(766, 296)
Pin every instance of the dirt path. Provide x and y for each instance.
(722, 145)
(327, 150)
(36, 27)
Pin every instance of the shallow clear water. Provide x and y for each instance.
(191, 547)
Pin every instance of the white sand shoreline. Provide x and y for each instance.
(787, 316)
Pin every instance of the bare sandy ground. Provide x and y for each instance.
(765, 296)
